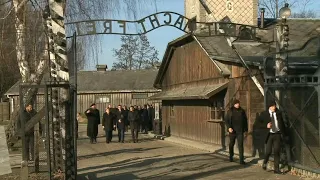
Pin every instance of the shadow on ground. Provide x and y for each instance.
(158, 167)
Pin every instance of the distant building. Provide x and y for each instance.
(104, 87)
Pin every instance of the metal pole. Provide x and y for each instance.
(75, 102)
(47, 130)
(281, 58)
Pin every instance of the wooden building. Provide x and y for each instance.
(201, 76)
(104, 87)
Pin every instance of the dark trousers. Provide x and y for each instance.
(121, 135)
(274, 141)
(144, 126)
(134, 133)
(108, 135)
(239, 137)
(29, 146)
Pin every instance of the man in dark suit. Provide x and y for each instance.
(93, 116)
(237, 124)
(272, 120)
(133, 118)
(120, 121)
(108, 124)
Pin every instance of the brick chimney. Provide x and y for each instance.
(102, 67)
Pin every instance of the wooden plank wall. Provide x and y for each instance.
(84, 101)
(4, 111)
(189, 64)
(190, 121)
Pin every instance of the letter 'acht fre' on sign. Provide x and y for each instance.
(149, 23)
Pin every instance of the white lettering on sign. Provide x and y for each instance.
(144, 25)
(154, 21)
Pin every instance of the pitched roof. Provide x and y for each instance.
(304, 47)
(109, 81)
(304, 40)
(192, 92)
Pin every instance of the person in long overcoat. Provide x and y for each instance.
(237, 124)
(27, 115)
(145, 118)
(151, 116)
(133, 117)
(93, 116)
(126, 111)
(108, 124)
(120, 123)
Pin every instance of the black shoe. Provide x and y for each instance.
(134, 141)
(277, 172)
(107, 142)
(231, 159)
(264, 166)
(242, 162)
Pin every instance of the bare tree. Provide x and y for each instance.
(32, 71)
(8, 64)
(31, 55)
(135, 53)
(273, 6)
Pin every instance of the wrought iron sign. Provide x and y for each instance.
(157, 20)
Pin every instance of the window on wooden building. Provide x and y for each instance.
(217, 110)
(140, 96)
(171, 109)
(103, 99)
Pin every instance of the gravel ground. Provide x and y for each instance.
(154, 159)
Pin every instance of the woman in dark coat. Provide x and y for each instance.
(108, 123)
(93, 116)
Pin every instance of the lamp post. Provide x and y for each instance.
(282, 45)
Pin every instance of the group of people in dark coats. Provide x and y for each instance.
(139, 119)
(271, 120)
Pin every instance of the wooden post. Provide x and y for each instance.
(36, 148)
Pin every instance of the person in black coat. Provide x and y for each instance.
(126, 111)
(272, 120)
(120, 122)
(237, 124)
(145, 119)
(108, 124)
(133, 117)
(27, 115)
(93, 116)
(151, 116)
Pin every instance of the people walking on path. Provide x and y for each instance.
(237, 124)
(108, 124)
(93, 116)
(133, 118)
(272, 120)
